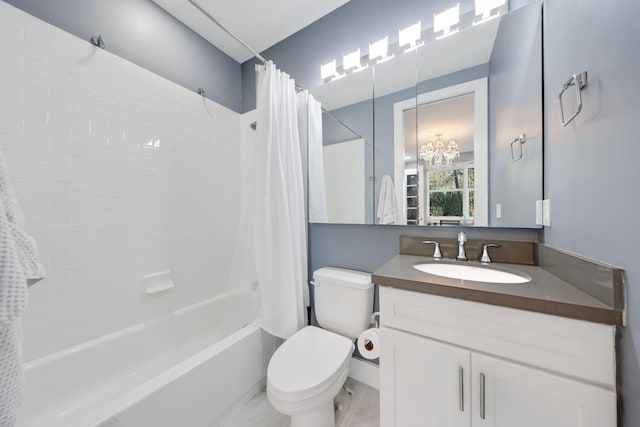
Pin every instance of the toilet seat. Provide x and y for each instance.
(307, 364)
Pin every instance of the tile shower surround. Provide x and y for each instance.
(104, 207)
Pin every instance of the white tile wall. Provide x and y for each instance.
(104, 208)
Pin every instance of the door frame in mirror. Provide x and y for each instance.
(479, 88)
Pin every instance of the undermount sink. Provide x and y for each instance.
(476, 273)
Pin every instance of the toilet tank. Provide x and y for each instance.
(343, 300)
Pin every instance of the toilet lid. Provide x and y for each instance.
(307, 363)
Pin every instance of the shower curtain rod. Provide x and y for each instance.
(264, 62)
(226, 30)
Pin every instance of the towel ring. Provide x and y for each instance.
(579, 81)
(521, 140)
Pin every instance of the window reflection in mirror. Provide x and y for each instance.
(445, 161)
(449, 194)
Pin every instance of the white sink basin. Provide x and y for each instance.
(473, 272)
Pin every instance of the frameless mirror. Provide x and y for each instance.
(457, 125)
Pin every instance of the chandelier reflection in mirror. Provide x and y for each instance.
(435, 155)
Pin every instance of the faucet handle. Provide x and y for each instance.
(436, 251)
(485, 251)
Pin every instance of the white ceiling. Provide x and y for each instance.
(259, 23)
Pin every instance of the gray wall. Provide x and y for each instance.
(143, 33)
(515, 107)
(591, 166)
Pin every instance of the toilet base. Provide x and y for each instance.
(317, 411)
(321, 416)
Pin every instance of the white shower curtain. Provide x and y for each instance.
(310, 126)
(279, 224)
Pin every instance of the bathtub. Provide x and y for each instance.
(184, 369)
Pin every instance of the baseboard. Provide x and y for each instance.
(364, 371)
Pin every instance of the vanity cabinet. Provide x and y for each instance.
(448, 362)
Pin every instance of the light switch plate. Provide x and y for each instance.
(498, 210)
(538, 212)
(546, 212)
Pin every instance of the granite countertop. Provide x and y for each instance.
(545, 293)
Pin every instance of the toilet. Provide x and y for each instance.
(308, 370)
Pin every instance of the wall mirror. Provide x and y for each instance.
(447, 118)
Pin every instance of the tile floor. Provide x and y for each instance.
(363, 411)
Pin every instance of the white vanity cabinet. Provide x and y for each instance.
(448, 362)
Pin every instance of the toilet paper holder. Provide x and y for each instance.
(375, 319)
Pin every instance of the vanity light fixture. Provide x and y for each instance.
(484, 8)
(444, 21)
(351, 60)
(380, 49)
(410, 36)
(435, 155)
(329, 70)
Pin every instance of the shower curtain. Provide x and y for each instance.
(317, 188)
(310, 126)
(279, 223)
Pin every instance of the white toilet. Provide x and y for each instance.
(306, 372)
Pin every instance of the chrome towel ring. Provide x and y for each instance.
(579, 81)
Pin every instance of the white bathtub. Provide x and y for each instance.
(184, 369)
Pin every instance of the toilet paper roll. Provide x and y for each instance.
(369, 343)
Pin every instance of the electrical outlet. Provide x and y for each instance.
(498, 211)
(546, 212)
(538, 212)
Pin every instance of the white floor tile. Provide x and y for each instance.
(363, 410)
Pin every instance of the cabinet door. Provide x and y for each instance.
(516, 395)
(423, 382)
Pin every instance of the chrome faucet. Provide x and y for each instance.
(462, 238)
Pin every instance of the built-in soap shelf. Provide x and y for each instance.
(156, 283)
